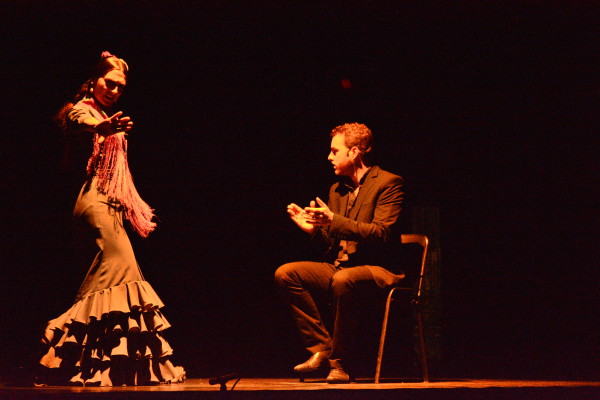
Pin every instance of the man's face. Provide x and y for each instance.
(109, 87)
(339, 156)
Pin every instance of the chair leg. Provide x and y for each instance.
(422, 345)
(386, 315)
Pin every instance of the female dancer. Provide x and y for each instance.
(112, 335)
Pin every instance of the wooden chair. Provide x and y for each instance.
(415, 294)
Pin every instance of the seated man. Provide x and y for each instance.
(359, 224)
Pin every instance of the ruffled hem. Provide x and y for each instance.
(131, 296)
(111, 337)
(116, 372)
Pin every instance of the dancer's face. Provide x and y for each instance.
(108, 88)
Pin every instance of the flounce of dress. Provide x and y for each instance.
(111, 337)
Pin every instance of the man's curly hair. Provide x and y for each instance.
(358, 135)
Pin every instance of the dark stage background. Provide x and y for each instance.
(488, 109)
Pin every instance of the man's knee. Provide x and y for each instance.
(283, 274)
(351, 279)
(342, 282)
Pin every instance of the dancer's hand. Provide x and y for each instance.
(112, 125)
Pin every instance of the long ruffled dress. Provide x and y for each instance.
(113, 333)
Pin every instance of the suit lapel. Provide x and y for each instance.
(344, 203)
(362, 193)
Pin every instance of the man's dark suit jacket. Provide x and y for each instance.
(371, 228)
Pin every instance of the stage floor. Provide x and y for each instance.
(290, 388)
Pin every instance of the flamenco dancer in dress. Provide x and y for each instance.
(113, 333)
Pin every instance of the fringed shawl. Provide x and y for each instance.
(108, 163)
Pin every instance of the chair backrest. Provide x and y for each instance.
(423, 241)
